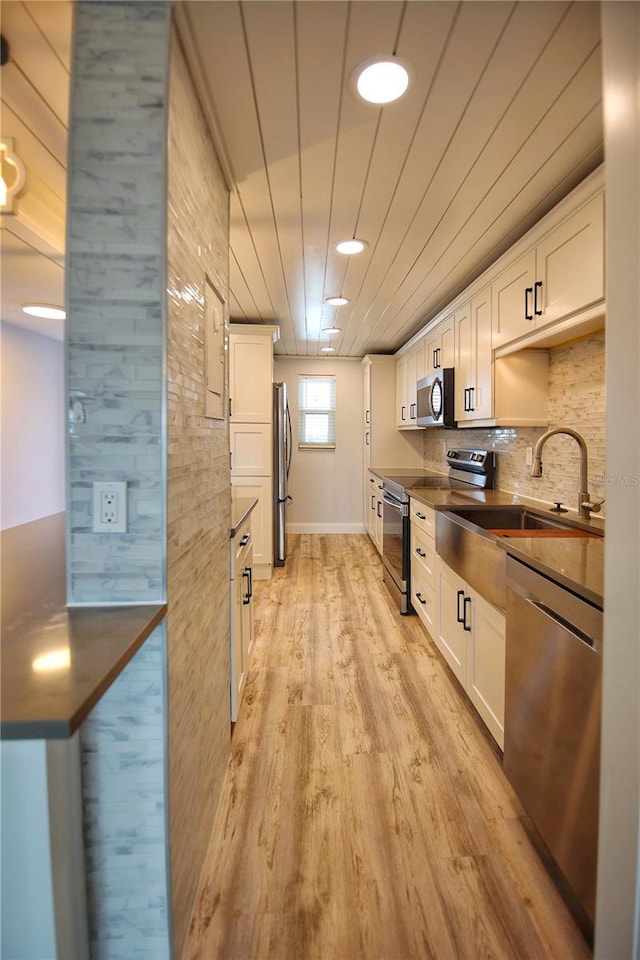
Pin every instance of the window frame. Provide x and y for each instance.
(304, 411)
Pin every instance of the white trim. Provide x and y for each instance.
(326, 528)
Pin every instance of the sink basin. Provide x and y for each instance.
(520, 522)
(467, 539)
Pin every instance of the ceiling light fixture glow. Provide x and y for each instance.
(350, 246)
(327, 349)
(13, 165)
(336, 301)
(45, 310)
(381, 79)
(332, 329)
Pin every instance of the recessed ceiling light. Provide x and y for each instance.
(45, 310)
(381, 79)
(332, 329)
(327, 349)
(350, 246)
(336, 301)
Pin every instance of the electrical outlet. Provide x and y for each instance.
(110, 506)
(529, 456)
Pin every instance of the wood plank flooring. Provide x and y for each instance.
(364, 812)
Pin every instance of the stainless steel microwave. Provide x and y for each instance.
(436, 399)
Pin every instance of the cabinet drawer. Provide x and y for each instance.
(423, 554)
(423, 598)
(241, 546)
(423, 517)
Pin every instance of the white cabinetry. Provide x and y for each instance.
(373, 509)
(251, 373)
(512, 391)
(384, 445)
(241, 563)
(474, 361)
(561, 275)
(440, 350)
(411, 367)
(251, 430)
(471, 638)
(423, 565)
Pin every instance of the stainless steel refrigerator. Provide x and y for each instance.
(282, 446)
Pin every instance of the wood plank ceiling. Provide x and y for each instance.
(503, 117)
(35, 112)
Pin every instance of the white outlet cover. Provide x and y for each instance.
(118, 489)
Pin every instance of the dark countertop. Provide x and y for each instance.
(241, 507)
(87, 647)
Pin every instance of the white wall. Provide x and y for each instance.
(32, 426)
(326, 485)
(618, 903)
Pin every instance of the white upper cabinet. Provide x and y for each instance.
(440, 346)
(251, 375)
(474, 362)
(562, 275)
(411, 367)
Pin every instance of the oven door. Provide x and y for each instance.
(395, 549)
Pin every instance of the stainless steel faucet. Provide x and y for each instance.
(585, 505)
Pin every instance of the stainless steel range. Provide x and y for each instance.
(467, 468)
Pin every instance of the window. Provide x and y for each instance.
(317, 412)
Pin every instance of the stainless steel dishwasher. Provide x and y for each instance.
(552, 719)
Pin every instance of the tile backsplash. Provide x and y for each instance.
(576, 400)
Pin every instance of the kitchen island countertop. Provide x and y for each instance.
(241, 507)
(57, 661)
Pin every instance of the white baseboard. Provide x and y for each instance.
(326, 528)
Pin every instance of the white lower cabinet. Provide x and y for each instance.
(373, 508)
(261, 521)
(471, 637)
(241, 612)
(423, 565)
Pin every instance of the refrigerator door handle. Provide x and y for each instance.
(289, 440)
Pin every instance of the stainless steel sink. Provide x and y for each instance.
(467, 541)
(507, 521)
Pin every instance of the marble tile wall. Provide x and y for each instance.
(198, 497)
(577, 400)
(123, 745)
(116, 294)
(115, 353)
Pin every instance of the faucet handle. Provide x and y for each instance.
(594, 506)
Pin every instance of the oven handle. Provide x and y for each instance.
(402, 508)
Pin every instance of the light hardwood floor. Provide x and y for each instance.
(364, 813)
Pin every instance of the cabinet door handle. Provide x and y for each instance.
(403, 416)
(466, 626)
(367, 438)
(420, 516)
(458, 614)
(373, 501)
(538, 285)
(423, 602)
(245, 540)
(366, 417)
(435, 359)
(250, 583)
(247, 598)
(471, 407)
(412, 411)
(378, 508)
(420, 552)
(527, 314)
(229, 406)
